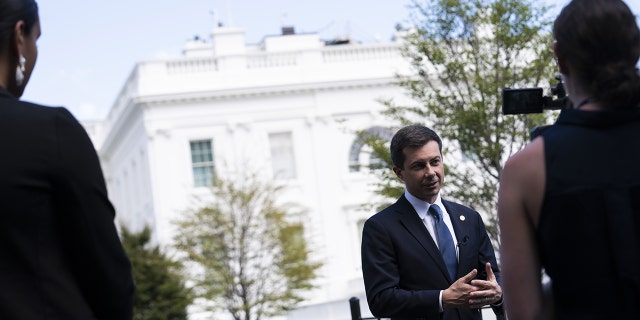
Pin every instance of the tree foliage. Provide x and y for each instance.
(387, 185)
(462, 54)
(161, 293)
(252, 254)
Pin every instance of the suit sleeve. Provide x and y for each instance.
(487, 254)
(92, 246)
(382, 279)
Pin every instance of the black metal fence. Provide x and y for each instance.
(354, 305)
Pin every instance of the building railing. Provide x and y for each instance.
(272, 60)
(263, 60)
(192, 65)
(340, 54)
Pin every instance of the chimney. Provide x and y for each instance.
(288, 31)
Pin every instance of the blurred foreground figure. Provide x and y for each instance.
(569, 202)
(60, 255)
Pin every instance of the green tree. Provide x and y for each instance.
(161, 293)
(252, 256)
(462, 53)
(387, 185)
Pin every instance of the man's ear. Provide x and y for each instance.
(398, 172)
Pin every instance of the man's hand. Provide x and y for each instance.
(459, 293)
(488, 291)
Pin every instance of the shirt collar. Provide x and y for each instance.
(421, 206)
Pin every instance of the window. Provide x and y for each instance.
(202, 163)
(282, 157)
(361, 155)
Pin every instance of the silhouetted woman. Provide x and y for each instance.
(60, 255)
(569, 202)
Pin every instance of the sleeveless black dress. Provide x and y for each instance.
(589, 228)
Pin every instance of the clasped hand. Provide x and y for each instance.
(472, 293)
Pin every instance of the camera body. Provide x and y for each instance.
(522, 101)
(532, 100)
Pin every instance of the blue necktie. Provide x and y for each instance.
(445, 241)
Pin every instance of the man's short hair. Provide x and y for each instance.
(413, 136)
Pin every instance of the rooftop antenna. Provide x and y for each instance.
(229, 16)
(216, 20)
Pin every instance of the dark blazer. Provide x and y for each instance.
(403, 269)
(60, 255)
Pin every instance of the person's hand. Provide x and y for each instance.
(459, 293)
(488, 290)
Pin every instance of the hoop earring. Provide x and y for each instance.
(20, 70)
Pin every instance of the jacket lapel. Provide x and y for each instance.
(410, 220)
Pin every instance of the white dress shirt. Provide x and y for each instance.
(422, 208)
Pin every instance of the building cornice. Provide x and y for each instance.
(259, 92)
(136, 106)
(124, 124)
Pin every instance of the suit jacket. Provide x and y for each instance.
(403, 269)
(60, 254)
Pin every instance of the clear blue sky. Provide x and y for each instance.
(88, 48)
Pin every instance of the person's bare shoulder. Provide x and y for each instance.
(532, 156)
(524, 175)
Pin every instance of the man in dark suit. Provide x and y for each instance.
(425, 257)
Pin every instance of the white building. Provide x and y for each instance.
(288, 106)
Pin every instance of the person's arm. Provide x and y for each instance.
(519, 202)
(92, 247)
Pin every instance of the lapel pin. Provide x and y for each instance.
(462, 218)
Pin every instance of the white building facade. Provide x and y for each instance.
(288, 107)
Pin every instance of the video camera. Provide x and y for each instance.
(531, 100)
